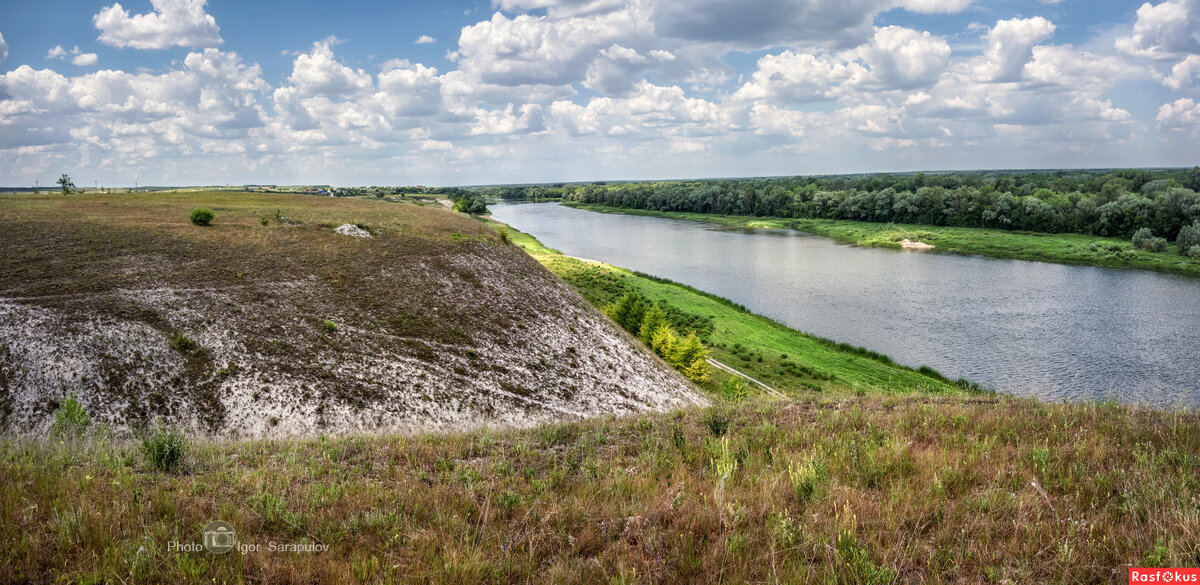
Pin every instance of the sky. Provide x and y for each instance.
(185, 92)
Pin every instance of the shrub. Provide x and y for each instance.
(70, 419)
(717, 420)
(469, 202)
(1189, 236)
(264, 221)
(330, 326)
(807, 479)
(164, 448)
(1194, 252)
(202, 216)
(1141, 236)
(183, 344)
(1145, 240)
(733, 388)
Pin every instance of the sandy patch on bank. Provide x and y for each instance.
(910, 245)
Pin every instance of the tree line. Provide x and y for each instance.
(1114, 203)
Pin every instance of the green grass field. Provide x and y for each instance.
(786, 359)
(1059, 248)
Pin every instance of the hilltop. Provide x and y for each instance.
(268, 323)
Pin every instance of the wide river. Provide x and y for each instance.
(1029, 328)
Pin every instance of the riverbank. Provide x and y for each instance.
(1074, 249)
(789, 360)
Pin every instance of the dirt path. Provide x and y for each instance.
(721, 366)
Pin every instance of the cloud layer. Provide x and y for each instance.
(546, 90)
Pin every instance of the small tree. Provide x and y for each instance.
(628, 311)
(663, 341)
(67, 185)
(651, 321)
(691, 358)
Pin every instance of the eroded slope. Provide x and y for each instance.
(241, 329)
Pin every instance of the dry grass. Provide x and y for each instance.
(859, 490)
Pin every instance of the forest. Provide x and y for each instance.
(1115, 203)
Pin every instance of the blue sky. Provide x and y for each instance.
(186, 92)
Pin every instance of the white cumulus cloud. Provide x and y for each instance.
(425, 40)
(85, 59)
(182, 23)
(1010, 46)
(1183, 73)
(934, 6)
(1163, 30)
(317, 72)
(1183, 113)
(904, 58)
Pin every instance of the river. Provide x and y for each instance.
(1029, 328)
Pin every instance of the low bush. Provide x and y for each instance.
(733, 389)
(164, 448)
(1188, 237)
(1141, 236)
(717, 420)
(71, 419)
(183, 343)
(202, 216)
(1144, 239)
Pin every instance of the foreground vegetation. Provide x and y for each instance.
(1040, 247)
(875, 489)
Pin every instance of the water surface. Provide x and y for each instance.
(1030, 328)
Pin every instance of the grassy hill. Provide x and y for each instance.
(268, 323)
(866, 472)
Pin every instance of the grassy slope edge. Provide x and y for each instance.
(1074, 249)
(769, 351)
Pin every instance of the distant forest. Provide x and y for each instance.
(1104, 203)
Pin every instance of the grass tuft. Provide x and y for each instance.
(164, 448)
